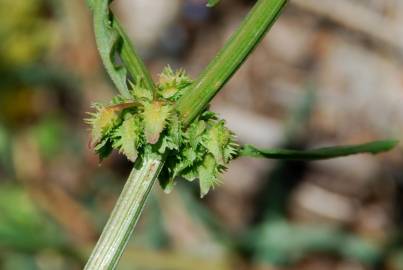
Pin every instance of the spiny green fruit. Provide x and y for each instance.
(149, 123)
(172, 83)
(103, 121)
(155, 117)
(207, 148)
(141, 93)
(128, 136)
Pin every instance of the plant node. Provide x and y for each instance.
(149, 123)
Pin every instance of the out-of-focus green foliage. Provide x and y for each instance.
(24, 32)
(22, 227)
(397, 260)
(48, 134)
(280, 243)
(4, 145)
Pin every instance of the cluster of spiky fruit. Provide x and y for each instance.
(148, 123)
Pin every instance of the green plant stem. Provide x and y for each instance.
(131, 201)
(111, 39)
(125, 214)
(135, 66)
(231, 56)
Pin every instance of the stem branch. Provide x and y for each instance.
(229, 58)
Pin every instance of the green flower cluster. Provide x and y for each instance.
(149, 123)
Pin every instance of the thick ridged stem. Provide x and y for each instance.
(125, 215)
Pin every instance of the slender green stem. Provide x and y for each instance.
(125, 214)
(112, 40)
(320, 153)
(231, 56)
(135, 66)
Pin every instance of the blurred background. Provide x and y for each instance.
(329, 72)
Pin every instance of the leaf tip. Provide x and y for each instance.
(377, 147)
(393, 143)
(212, 3)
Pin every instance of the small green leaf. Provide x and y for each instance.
(207, 172)
(187, 158)
(321, 153)
(155, 117)
(128, 137)
(194, 133)
(212, 3)
(216, 140)
(173, 137)
(165, 178)
(104, 148)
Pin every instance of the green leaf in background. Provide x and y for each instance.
(212, 3)
(374, 147)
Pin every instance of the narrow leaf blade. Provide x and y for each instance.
(374, 147)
